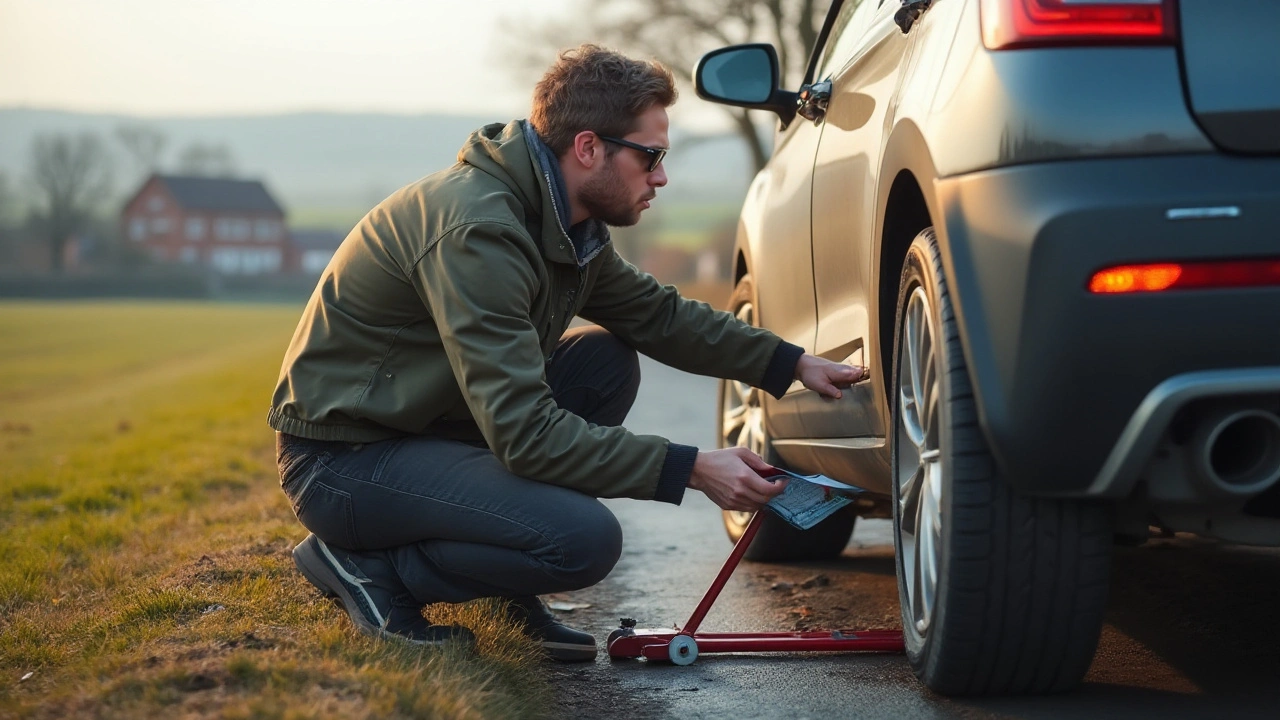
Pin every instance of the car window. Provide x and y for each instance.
(846, 31)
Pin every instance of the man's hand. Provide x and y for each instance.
(731, 478)
(825, 377)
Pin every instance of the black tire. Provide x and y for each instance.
(1021, 583)
(776, 541)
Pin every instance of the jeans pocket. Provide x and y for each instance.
(327, 512)
(294, 476)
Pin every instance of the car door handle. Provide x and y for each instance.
(910, 12)
(812, 101)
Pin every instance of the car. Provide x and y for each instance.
(1051, 229)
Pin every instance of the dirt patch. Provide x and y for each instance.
(827, 596)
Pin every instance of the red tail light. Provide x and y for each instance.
(1010, 24)
(1186, 276)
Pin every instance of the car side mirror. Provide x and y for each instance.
(744, 76)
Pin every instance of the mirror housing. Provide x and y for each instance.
(744, 76)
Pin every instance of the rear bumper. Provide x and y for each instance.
(1165, 438)
(1060, 373)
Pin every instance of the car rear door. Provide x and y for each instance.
(1231, 58)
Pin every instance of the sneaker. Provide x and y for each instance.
(376, 609)
(560, 642)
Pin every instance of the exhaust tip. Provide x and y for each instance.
(1240, 452)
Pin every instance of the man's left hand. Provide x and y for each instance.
(825, 377)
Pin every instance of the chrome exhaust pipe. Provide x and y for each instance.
(1236, 451)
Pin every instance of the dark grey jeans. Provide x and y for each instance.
(448, 517)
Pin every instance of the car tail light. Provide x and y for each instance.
(1186, 276)
(1008, 24)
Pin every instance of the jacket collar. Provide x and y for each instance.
(502, 152)
(514, 154)
(588, 237)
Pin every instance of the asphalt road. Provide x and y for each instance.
(1191, 628)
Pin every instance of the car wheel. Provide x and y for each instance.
(741, 424)
(999, 593)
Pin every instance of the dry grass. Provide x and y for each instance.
(145, 542)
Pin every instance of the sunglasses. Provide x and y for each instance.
(655, 154)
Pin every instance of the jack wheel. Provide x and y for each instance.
(682, 650)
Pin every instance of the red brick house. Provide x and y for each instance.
(232, 226)
(313, 249)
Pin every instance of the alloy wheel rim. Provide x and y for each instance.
(742, 415)
(919, 475)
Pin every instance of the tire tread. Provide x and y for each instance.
(1026, 614)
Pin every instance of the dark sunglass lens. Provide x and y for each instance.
(656, 159)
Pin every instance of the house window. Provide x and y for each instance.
(138, 229)
(237, 261)
(155, 204)
(195, 228)
(315, 261)
(265, 230)
(226, 260)
(253, 262)
(232, 229)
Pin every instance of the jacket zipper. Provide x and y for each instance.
(564, 233)
(569, 296)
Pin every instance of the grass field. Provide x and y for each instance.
(327, 217)
(144, 543)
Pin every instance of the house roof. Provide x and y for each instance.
(220, 194)
(317, 239)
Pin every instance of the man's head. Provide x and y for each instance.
(604, 116)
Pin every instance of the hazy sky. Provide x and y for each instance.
(186, 57)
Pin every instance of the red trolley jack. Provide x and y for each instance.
(683, 646)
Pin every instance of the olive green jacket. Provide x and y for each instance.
(442, 307)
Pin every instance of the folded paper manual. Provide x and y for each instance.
(810, 499)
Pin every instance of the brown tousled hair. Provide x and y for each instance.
(593, 88)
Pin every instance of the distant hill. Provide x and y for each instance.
(330, 165)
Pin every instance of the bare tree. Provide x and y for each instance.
(677, 33)
(207, 160)
(144, 145)
(71, 175)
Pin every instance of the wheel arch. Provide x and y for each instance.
(906, 205)
(906, 214)
(913, 192)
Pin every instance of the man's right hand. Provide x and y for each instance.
(731, 478)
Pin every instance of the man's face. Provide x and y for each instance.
(622, 186)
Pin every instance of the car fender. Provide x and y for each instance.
(907, 165)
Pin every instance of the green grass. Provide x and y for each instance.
(145, 542)
(692, 226)
(697, 217)
(327, 217)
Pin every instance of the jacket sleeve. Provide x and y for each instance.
(479, 283)
(686, 334)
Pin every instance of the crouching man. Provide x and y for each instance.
(442, 435)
